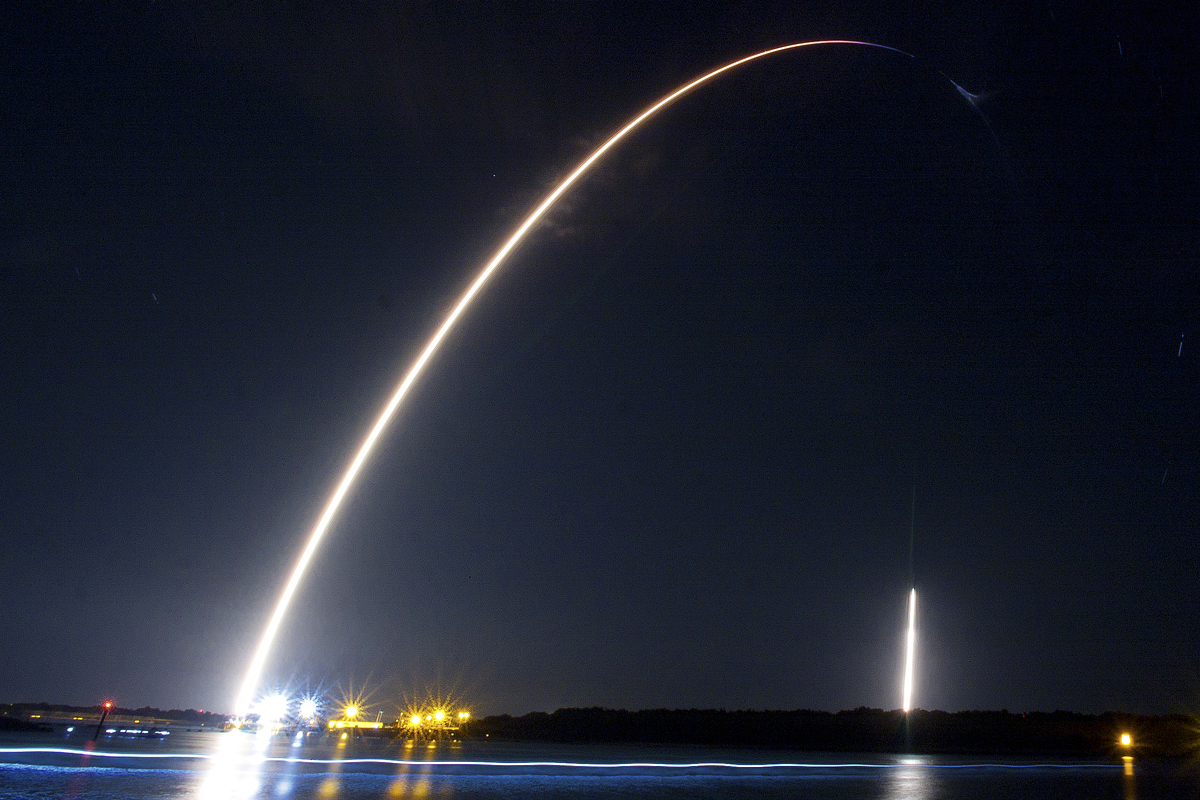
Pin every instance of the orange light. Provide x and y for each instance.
(1126, 740)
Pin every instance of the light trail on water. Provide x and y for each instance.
(578, 765)
(249, 685)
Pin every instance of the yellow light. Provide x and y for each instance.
(416, 719)
(439, 715)
(1126, 739)
(351, 712)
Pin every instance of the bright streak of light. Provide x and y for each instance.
(254, 671)
(523, 765)
(912, 646)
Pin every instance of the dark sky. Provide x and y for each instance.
(669, 458)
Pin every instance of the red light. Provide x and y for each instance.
(108, 705)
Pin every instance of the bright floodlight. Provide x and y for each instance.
(273, 707)
(254, 671)
(308, 708)
(912, 643)
(439, 715)
(416, 719)
(351, 712)
(1126, 739)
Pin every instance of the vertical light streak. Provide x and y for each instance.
(254, 671)
(911, 650)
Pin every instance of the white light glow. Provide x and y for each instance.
(254, 671)
(911, 650)
(272, 708)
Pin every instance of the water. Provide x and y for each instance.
(241, 766)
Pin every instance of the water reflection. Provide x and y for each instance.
(235, 769)
(911, 780)
(412, 780)
(245, 765)
(241, 766)
(1130, 787)
(76, 788)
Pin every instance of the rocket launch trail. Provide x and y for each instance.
(254, 670)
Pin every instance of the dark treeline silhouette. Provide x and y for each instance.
(190, 715)
(1059, 733)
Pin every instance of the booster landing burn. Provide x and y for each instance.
(910, 650)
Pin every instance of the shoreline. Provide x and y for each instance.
(862, 730)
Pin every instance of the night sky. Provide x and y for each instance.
(670, 457)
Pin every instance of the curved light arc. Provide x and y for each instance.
(254, 671)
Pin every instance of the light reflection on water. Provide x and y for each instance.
(244, 766)
(234, 771)
(911, 780)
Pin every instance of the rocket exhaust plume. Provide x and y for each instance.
(910, 651)
(253, 672)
